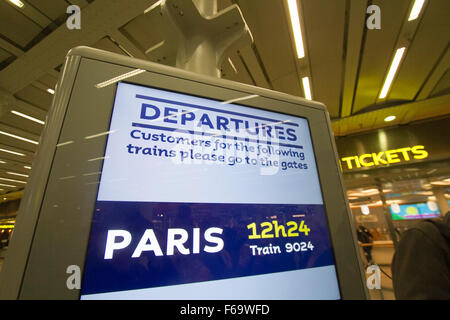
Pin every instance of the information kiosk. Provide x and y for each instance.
(151, 182)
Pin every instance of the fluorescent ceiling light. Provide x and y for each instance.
(51, 91)
(232, 65)
(306, 88)
(17, 174)
(153, 6)
(17, 113)
(119, 78)
(13, 152)
(416, 9)
(389, 118)
(1, 161)
(27, 167)
(12, 180)
(392, 72)
(7, 185)
(296, 29)
(17, 3)
(18, 137)
(370, 191)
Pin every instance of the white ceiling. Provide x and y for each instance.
(347, 62)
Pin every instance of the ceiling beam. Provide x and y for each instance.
(436, 75)
(97, 20)
(127, 45)
(14, 50)
(355, 30)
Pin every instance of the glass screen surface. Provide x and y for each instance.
(427, 210)
(203, 199)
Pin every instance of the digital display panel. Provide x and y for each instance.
(205, 199)
(427, 210)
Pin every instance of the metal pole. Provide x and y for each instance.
(204, 58)
(387, 215)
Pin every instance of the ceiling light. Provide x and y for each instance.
(392, 72)
(153, 6)
(232, 65)
(1, 161)
(51, 91)
(13, 152)
(365, 210)
(18, 137)
(27, 117)
(27, 167)
(306, 88)
(296, 29)
(7, 185)
(17, 3)
(12, 180)
(17, 174)
(370, 191)
(416, 9)
(389, 118)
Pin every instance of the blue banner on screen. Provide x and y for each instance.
(202, 199)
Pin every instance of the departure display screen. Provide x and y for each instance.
(207, 199)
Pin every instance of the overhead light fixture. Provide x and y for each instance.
(2, 162)
(392, 72)
(232, 65)
(51, 91)
(416, 9)
(389, 118)
(306, 88)
(27, 167)
(153, 6)
(12, 180)
(7, 185)
(17, 3)
(18, 137)
(12, 152)
(296, 28)
(365, 209)
(17, 174)
(23, 115)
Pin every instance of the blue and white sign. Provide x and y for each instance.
(200, 199)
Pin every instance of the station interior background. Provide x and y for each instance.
(346, 64)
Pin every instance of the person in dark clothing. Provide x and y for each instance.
(421, 263)
(364, 236)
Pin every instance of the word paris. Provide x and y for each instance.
(176, 239)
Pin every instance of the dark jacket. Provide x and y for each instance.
(421, 264)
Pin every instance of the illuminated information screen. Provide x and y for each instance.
(202, 199)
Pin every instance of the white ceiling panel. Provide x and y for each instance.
(325, 25)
